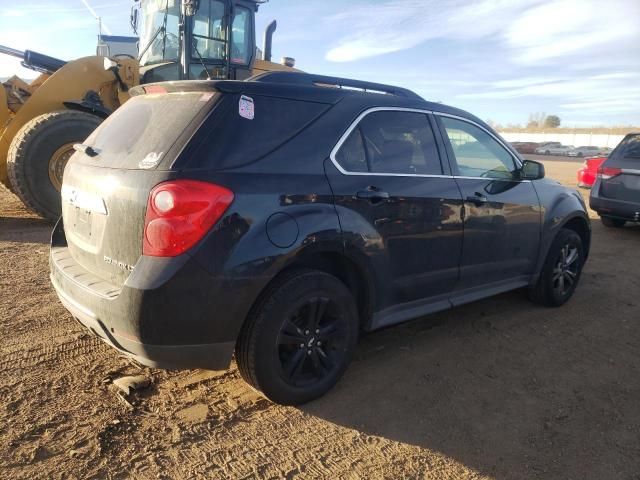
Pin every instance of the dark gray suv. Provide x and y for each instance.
(615, 195)
(279, 217)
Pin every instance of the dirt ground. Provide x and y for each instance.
(496, 389)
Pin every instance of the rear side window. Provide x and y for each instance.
(392, 142)
(140, 133)
(242, 129)
(352, 156)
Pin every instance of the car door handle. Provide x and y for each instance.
(477, 199)
(373, 195)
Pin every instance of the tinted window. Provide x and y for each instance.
(477, 153)
(241, 36)
(629, 148)
(391, 142)
(229, 140)
(352, 156)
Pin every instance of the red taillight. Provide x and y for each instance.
(179, 213)
(608, 172)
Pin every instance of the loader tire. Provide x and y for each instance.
(38, 154)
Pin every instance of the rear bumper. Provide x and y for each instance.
(214, 356)
(170, 313)
(610, 207)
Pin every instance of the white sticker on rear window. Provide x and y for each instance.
(246, 107)
(151, 160)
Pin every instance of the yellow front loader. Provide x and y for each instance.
(179, 39)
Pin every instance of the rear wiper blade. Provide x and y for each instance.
(86, 149)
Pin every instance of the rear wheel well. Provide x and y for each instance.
(581, 227)
(348, 272)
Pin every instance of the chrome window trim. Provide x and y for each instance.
(354, 124)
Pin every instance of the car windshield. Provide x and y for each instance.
(159, 33)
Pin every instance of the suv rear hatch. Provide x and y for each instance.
(107, 183)
(167, 131)
(620, 173)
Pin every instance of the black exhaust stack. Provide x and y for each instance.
(268, 40)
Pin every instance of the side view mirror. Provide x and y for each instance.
(532, 170)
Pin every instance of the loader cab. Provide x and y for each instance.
(195, 39)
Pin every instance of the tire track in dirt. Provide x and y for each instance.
(496, 389)
(32, 357)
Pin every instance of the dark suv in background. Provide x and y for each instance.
(281, 216)
(615, 195)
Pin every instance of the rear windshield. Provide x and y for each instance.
(244, 128)
(140, 133)
(629, 148)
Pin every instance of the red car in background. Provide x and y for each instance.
(589, 170)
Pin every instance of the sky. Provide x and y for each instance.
(499, 59)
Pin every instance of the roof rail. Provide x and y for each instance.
(308, 79)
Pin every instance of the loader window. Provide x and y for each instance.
(209, 32)
(241, 36)
(158, 15)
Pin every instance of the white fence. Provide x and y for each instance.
(575, 139)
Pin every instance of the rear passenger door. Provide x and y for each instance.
(502, 215)
(400, 208)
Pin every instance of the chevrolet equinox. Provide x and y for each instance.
(277, 218)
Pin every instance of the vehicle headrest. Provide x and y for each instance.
(397, 155)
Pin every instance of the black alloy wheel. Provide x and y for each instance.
(311, 342)
(299, 337)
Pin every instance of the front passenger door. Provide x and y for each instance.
(502, 215)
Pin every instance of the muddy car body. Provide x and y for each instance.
(278, 217)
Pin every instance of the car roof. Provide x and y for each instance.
(315, 88)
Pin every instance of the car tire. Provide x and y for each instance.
(561, 271)
(613, 222)
(580, 154)
(299, 337)
(547, 152)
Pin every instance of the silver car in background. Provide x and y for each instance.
(585, 152)
(558, 150)
(543, 147)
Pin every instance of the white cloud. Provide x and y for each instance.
(397, 25)
(610, 93)
(533, 30)
(524, 82)
(563, 28)
(12, 13)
